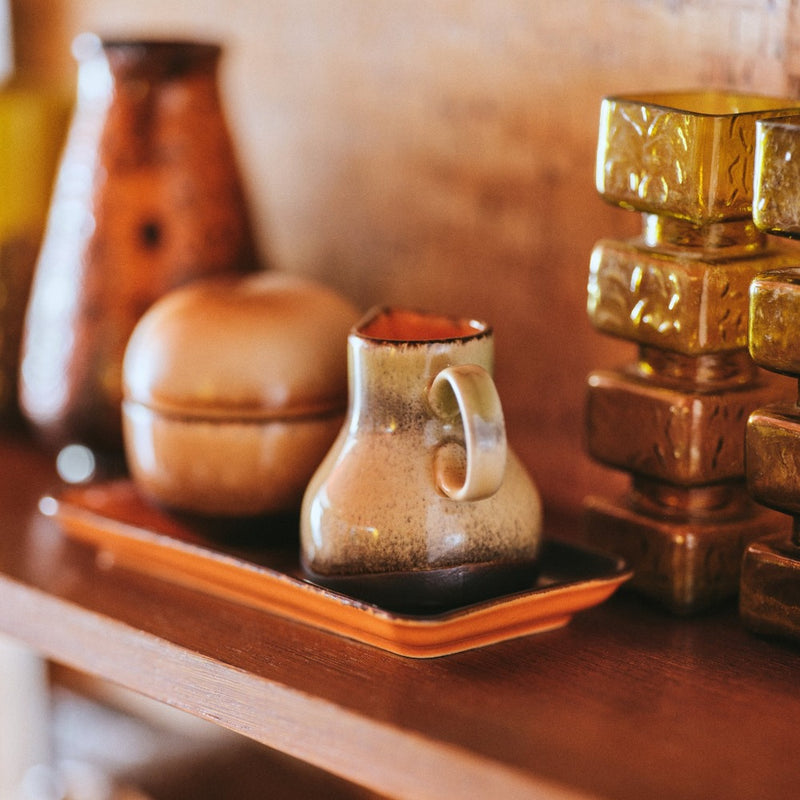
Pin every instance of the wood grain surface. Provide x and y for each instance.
(625, 702)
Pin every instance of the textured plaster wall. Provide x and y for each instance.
(440, 154)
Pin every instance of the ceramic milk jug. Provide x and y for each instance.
(420, 504)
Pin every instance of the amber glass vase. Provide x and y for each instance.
(674, 418)
(148, 196)
(770, 583)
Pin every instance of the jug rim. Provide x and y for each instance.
(399, 325)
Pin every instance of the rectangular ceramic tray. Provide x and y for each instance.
(268, 576)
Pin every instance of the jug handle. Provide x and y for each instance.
(481, 413)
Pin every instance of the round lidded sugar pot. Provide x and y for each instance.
(234, 389)
(420, 504)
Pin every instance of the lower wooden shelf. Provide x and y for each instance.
(624, 702)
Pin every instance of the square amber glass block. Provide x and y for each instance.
(684, 438)
(776, 193)
(685, 565)
(769, 600)
(687, 302)
(774, 320)
(684, 154)
(772, 455)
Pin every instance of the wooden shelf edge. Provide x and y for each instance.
(310, 728)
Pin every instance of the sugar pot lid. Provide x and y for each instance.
(267, 345)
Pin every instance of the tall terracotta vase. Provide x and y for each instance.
(148, 196)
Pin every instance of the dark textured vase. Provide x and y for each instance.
(148, 197)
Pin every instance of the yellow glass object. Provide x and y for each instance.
(684, 154)
(776, 202)
(690, 301)
(32, 126)
(773, 457)
(775, 320)
(676, 418)
(769, 597)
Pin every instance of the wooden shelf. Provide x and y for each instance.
(624, 702)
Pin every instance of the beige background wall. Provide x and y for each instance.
(439, 153)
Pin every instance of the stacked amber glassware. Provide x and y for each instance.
(675, 417)
(770, 582)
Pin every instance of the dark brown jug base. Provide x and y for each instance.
(433, 591)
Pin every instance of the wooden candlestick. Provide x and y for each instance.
(675, 418)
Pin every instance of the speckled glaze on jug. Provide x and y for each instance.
(408, 489)
(148, 197)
